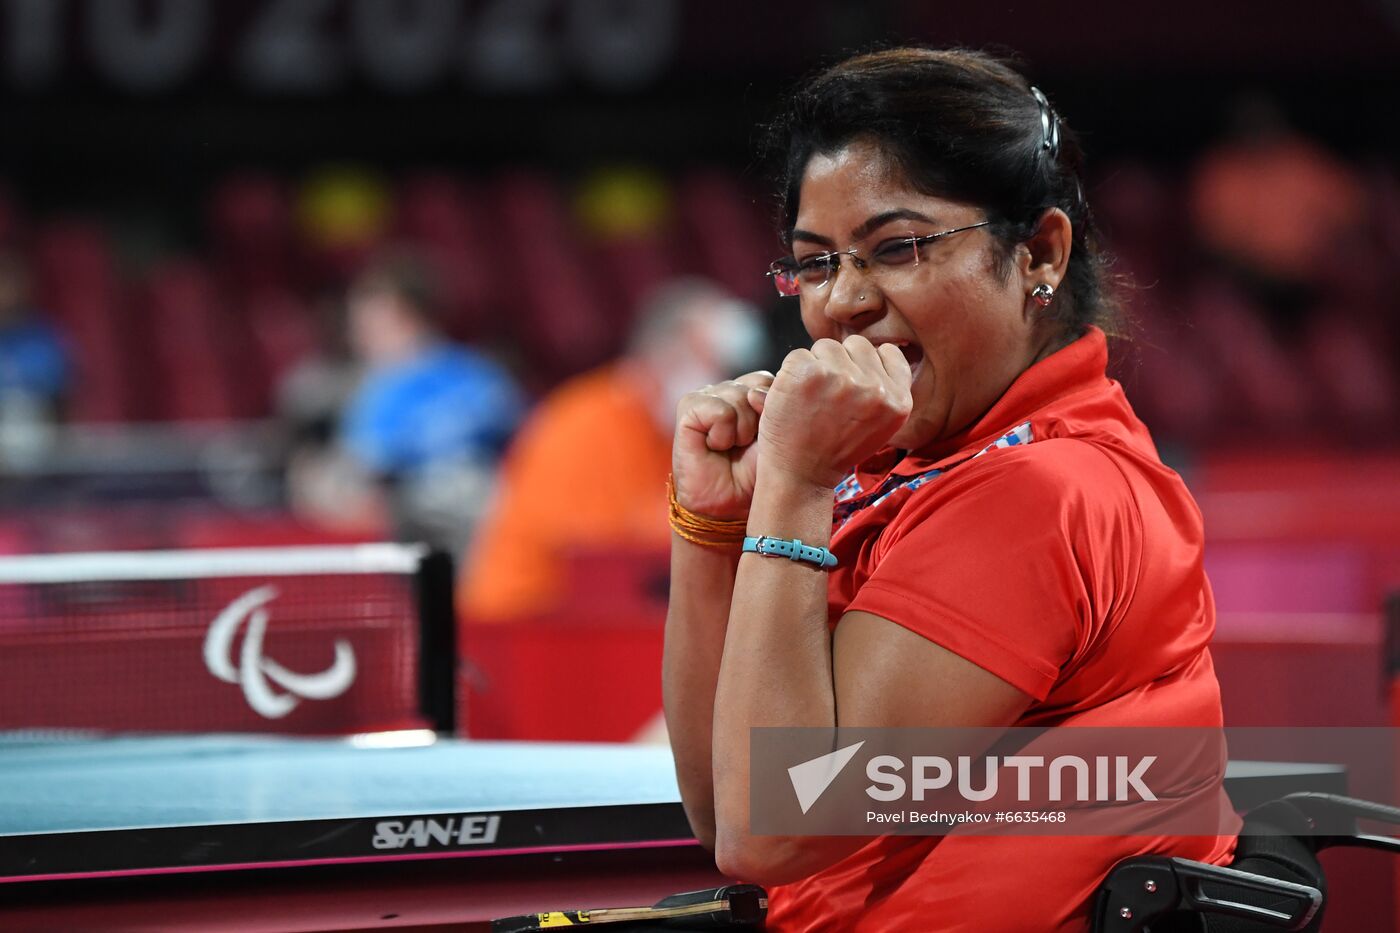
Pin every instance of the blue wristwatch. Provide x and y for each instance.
(792, 549)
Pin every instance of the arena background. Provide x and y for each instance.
(191, 184)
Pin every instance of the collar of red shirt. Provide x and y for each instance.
(1080, 365)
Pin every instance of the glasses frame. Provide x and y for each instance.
(785, 265)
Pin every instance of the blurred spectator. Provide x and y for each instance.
(319, 386)
(588, 471)
(1293, 308)
(429, 419)
(1277, 208)
(324, 484)
(34, 370)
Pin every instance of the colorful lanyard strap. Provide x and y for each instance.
(851, 498)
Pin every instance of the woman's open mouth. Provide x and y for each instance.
(915, 355)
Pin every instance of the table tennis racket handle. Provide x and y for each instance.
(746, 904)
(731, 907)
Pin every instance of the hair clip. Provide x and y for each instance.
(1049, 123)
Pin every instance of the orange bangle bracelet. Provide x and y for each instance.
(699, 529)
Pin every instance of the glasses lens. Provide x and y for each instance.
(784, 276)
(816, 271)
(897, 252)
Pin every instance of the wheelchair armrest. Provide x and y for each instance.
(1323, 821)
(1143, 890)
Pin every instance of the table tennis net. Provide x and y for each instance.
(299, 640)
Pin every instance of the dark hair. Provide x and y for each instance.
(406, 275)
(962, 125)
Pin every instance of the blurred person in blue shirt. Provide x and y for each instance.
(429, 418)
(34, 369)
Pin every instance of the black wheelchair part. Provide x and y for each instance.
(1274, 883)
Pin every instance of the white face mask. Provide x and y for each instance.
(676, 383)
(734, 341)
(736, 338)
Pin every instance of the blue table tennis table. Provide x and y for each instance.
(262, 833)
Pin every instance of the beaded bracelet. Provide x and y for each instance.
(698, 529)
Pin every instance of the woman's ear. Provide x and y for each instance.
(1046, 255)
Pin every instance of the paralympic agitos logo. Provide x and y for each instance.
(257, 674)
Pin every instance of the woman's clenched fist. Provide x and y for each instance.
(714, 458)
(832, 406)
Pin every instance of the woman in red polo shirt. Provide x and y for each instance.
(1010, 550)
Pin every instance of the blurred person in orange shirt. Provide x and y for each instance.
(1295, 300)
(587, 472)
(1276, 208)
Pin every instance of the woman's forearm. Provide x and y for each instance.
(702, 585)
(776, 671)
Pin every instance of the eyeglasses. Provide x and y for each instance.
(792, 276)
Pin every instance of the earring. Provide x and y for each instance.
(1043, 294)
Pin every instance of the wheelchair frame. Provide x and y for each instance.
(1146, 894)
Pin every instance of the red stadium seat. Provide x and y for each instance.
(89, 318)
(631, 268)
(250, 225)
(75, 280)
(1356, 375)
(447, 221)
(430, 207)
(728, 228)
(69, 249)
(1270, 382)
(194, 344)
(560, 324)
(1176, 391)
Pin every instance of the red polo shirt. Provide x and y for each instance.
(1049, 545)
